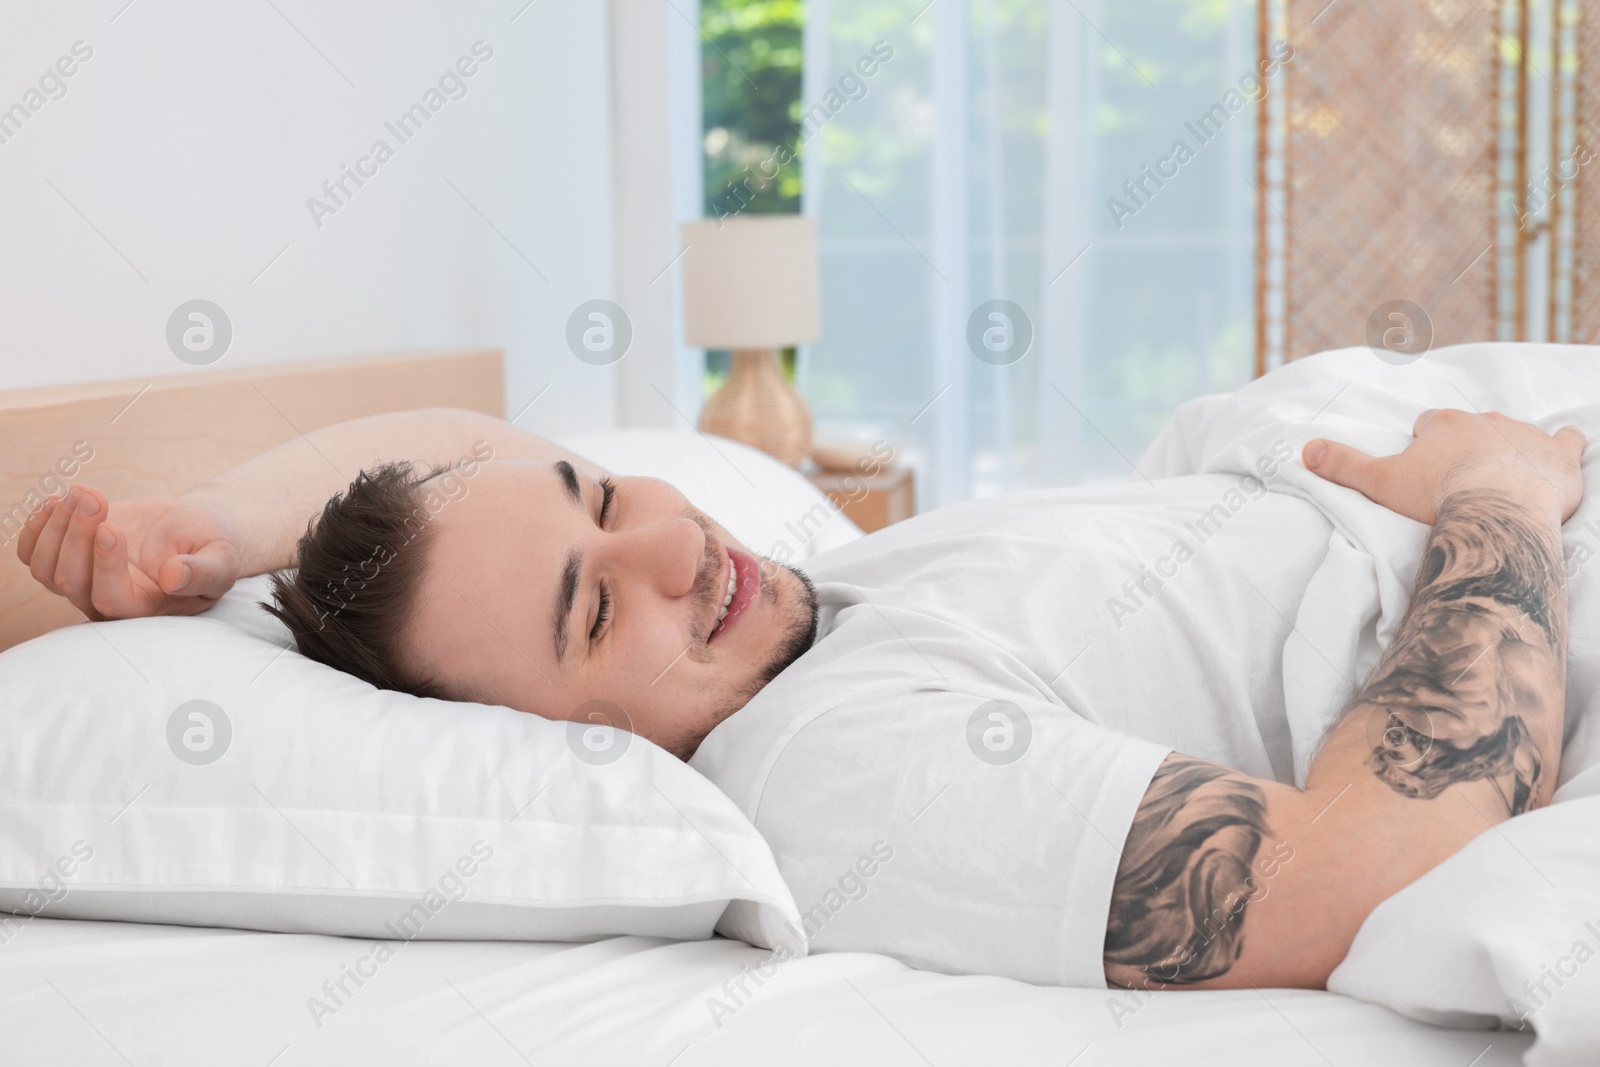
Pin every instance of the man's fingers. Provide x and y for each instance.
(74, 573)
(208, 572)
(1426, 417)
(1573, 438)
(42, 564)
(33, 527)
(1343, 465)
(212, 570)
(115, 596)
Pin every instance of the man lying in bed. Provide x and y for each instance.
(545, 585)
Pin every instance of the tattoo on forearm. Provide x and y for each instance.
(1473, 682)
(1479, 660)
(1186, 877)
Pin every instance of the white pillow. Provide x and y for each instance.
(768, 506)
(1505, 932)
(313, 802)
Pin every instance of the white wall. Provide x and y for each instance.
(658, 185)
(180, 160)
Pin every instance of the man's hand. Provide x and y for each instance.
(154, 556)
(1457, 450)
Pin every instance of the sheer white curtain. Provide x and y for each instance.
(975, 163)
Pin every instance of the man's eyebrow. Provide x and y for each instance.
(569, 478)
(565, 597)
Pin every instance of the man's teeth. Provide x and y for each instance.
(733, 585)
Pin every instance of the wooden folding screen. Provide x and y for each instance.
(1571, 183)
(1389, 154)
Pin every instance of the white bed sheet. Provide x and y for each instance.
(78, 992)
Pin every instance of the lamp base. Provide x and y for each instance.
(758, 407)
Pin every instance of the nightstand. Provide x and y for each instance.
(871, 502)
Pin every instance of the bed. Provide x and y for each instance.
(81, 991)
(90, 993)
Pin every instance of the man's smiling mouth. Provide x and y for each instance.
(733, 585)
(744, 583)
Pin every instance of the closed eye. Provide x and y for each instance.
(601, 615)
(608, 493)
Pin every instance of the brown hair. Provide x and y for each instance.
(355, 592)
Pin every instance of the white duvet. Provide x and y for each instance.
(1507, 932)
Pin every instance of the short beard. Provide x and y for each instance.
(799, 634)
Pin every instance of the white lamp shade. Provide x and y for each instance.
(750, 282)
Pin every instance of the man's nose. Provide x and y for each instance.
(668, 555)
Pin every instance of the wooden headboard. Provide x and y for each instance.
(164, 436)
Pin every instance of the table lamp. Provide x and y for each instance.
(750, 285)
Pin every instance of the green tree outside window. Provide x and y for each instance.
(750, 56)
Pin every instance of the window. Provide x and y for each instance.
(751, 52)
(967, 151)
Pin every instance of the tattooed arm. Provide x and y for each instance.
(1229, 881)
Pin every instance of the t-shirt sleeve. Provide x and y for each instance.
(957, 832)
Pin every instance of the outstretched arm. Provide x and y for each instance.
(271, 497)
(1228, 881)
(156, 556)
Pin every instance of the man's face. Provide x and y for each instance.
(541, 596)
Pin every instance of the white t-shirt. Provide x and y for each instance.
(948, 775)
